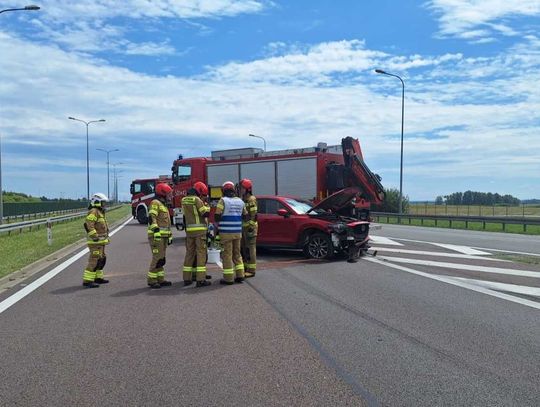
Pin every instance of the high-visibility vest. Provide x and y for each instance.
(231, 218)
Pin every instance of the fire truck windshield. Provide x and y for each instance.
(182, 173)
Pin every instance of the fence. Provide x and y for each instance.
(465, 219)
(26, 208)
(474, 210)
(29, 225)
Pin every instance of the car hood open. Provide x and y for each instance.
(337, 201)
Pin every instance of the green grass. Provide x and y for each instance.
(19, 250)
(490, 227)
(474, 210)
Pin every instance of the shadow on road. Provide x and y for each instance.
(68, 290)
(175, 289)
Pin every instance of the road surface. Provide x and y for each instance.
(388, 330)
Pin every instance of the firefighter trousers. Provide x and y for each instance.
(233, 265)
(156, 272)
(195, 260)
(249, 251)
(96, 262)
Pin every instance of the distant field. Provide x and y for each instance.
(474, 210)
(490, 227)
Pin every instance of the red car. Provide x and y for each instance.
(321, 231)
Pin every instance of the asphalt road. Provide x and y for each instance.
(299, 334)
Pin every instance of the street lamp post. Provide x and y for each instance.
(87, 153)
(108, 177)
(262, 138)
(26, 8)
(115, 176)
(402, 121)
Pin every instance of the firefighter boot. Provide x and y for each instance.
(225, 282)
(101, 281)
(90, 284)
(154, 285)
(187, 282)
(203, 283)
(249, 273)
(239, 280)
(165, 283)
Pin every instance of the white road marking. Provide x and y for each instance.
(461, 284)
(19, 295)
(462, 249)
(384, 240)
(458, 266)
(474, 247)
(510, 288)
(438, 254)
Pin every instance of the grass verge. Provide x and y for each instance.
(489, 227)
(17, 251)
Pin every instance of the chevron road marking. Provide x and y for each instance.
(458, 283)
(509, 288)
(458, 266)
(438, 254)
(384, 240)
(462, 249)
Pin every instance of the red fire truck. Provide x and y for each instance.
(311, 173)
(142, 193)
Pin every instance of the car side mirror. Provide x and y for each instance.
(132, 189)
(283, 212)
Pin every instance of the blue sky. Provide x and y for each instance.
(191, 76)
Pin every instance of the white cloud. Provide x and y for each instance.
(91, 25)
(458, 18)
(467, 118)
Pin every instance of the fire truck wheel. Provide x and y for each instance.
(319, 246)
(141, 216)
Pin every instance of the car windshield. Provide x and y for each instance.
(300, 207)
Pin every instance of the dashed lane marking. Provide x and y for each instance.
(19, 295)
(458, 283)
(459, 266)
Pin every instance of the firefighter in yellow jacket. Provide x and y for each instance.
(196, 218)
(159, 236)
(97, 232)
(230, 211)
(249, 228)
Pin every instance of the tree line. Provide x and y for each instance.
(20, 197)
(477, 198)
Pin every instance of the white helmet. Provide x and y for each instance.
(98, 198)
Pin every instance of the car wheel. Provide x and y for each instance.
(141, 216)
(319, 246)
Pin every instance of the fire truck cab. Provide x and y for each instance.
(142, 194)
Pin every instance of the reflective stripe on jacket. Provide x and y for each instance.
(159, 218)
(231, 218)
(194, 209)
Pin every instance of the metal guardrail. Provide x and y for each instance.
(37, 215)
(506, 220)
(20, 226)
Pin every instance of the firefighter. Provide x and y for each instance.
(97, 232)
(230, 212)
(196, 214)
(249, 228)
(159, 236)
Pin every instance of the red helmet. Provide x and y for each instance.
(228, 186)
(163, 189)
(201, 188)
(246, 184)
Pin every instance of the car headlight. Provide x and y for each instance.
(338, 227)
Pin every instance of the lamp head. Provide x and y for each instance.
(379, 71)
(32, 7)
